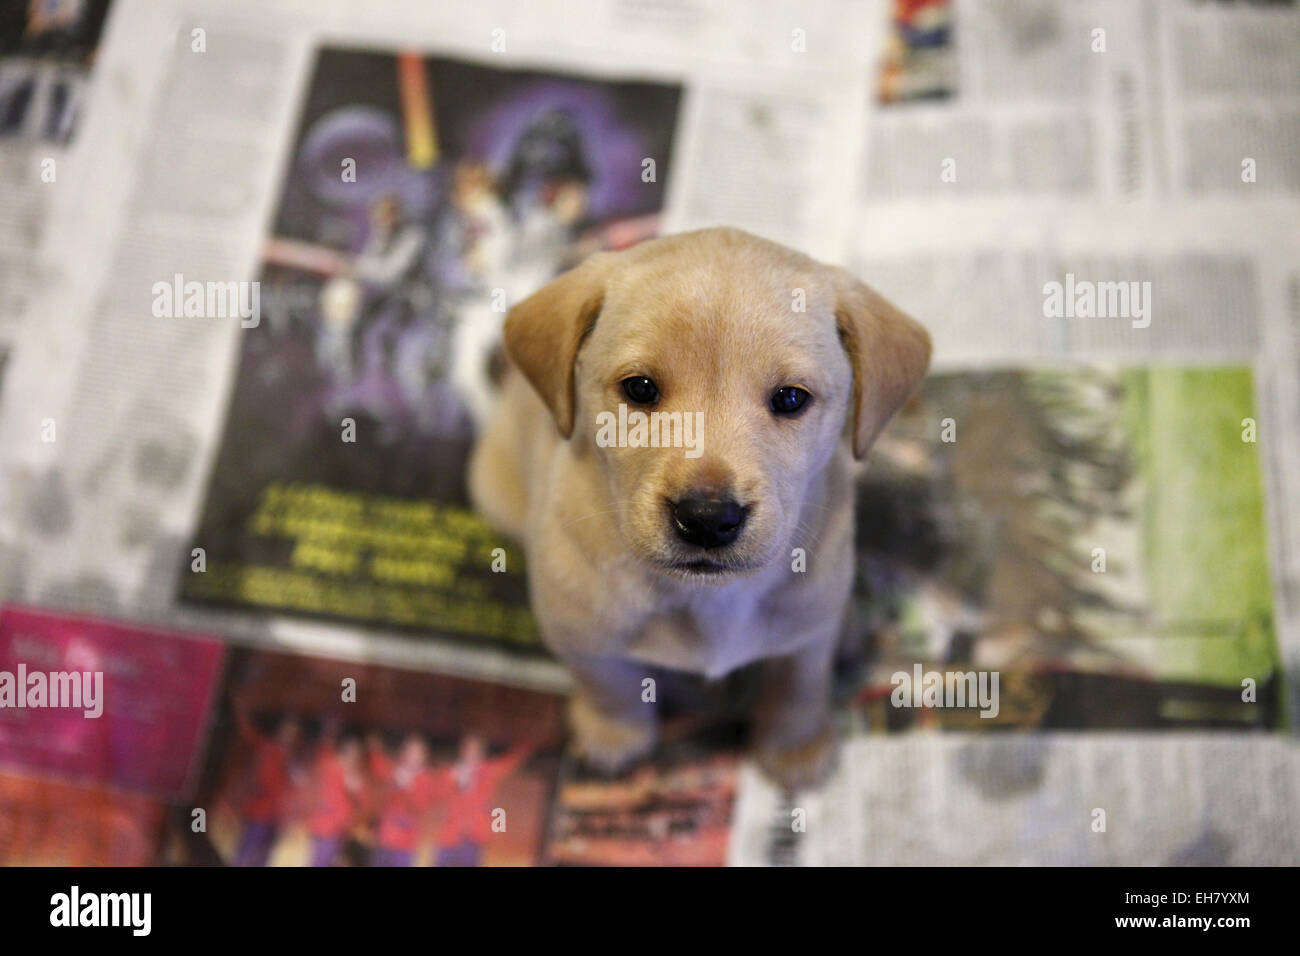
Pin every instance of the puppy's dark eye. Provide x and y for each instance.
(641, 390)
(788, 399)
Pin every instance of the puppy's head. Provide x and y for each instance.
(710, 376)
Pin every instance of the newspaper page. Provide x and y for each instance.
(1096, 100)
(1033, 799)
(47, 60)
(163, 495)
(1133, 256)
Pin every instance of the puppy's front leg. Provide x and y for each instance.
(612, 726)
(794, 736)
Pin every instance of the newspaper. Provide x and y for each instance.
(1040, 799)
(188, 188)
(1160, 153)
(1098, 100)
(46, 58)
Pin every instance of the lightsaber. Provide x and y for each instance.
(417, 110)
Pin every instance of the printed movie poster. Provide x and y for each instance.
(1096, 537)
(422, 197)
(319, 762)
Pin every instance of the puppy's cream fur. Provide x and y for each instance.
(711, 316)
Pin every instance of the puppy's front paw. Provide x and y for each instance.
(802, 766)
(609, 744)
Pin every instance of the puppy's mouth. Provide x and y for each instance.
(698, 568)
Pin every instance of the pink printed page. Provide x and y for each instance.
(153, 691)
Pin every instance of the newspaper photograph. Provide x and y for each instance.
(46, 50)
(1095, 538)
(369, 766)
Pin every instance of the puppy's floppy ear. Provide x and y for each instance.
(543, 333)
(889, 352)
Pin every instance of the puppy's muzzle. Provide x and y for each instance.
(708, 522)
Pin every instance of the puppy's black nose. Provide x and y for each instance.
(707, 522)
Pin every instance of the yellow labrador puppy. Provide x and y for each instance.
(676, 460)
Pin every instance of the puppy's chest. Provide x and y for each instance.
(712, 635)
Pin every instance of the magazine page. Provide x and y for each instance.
(102, 725)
